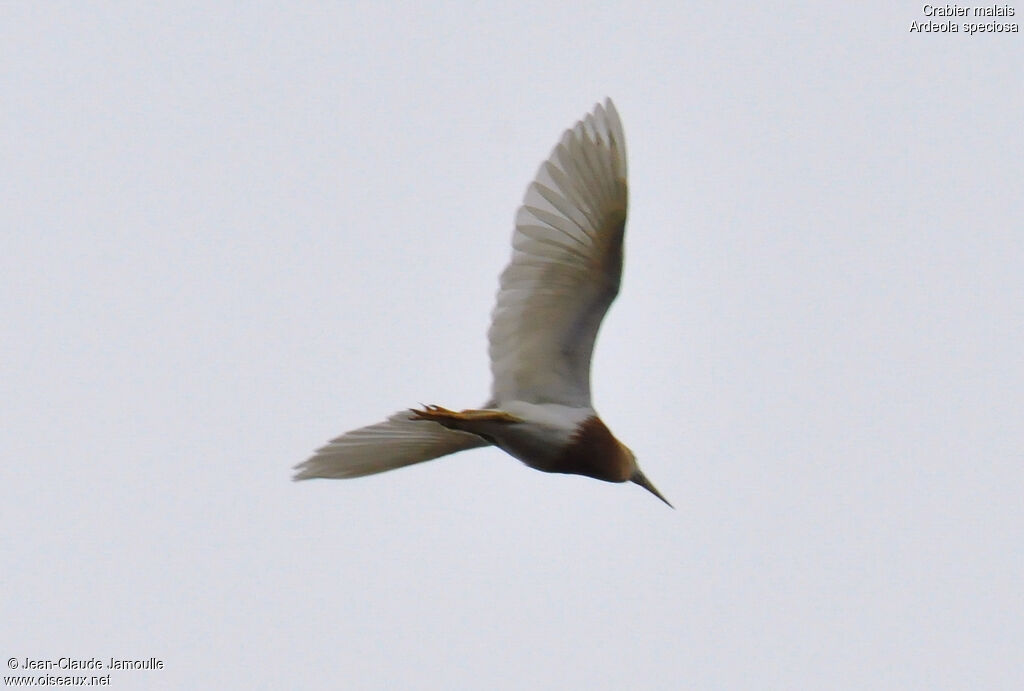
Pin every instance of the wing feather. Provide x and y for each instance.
(566, 267)
(394, 443)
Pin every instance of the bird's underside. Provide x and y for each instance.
(565, 271)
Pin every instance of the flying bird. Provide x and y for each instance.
(565, 272)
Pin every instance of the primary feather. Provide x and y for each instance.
(566, 267)
(394, 443)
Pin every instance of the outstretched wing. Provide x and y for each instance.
(394, 443)
(565, 269)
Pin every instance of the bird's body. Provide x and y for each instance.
(565, 272)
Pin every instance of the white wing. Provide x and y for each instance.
(565, 269)
(394, 443)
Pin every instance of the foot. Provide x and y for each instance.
(442, 415)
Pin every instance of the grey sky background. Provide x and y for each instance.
(229, 232)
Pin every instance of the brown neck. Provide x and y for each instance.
(593, 451)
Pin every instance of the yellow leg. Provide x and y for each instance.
(443, 415)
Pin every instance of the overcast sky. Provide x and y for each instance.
(230, 232)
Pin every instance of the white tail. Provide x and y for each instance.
(397, 442)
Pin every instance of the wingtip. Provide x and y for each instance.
(302, 472)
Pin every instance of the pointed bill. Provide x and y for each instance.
(641, 479)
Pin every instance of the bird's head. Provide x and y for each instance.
(594, 451)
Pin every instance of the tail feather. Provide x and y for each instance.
(399, 441)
